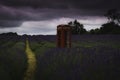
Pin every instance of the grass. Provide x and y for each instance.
(40, 47)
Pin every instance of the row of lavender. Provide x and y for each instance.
(96, 38)
(96, 63)
(13, 60)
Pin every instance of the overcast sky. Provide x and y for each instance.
(42, 16)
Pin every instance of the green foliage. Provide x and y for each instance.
(110, 28)
(107, 28)
(94, 31)
(77, 28)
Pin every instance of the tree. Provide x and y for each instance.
(110, 28)
(95, 31)
(113, 15)
(77, 28)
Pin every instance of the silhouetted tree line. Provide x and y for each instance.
(111, 27)
(9, 34)
(108, 28)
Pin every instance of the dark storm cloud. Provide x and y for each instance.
(14, 12)
(11, 13)
(4, 24)
(13, 17)
(85, 4)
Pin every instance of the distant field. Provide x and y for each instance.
(91, 57)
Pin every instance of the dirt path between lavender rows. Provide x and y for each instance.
(31, 63)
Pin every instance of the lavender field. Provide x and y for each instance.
(91, 57)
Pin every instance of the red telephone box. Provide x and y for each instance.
(63, 36)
